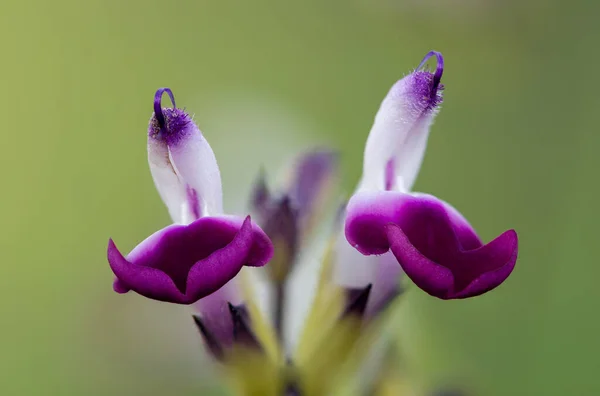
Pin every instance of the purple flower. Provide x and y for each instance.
(311, 322)
(205, 248)
(433, 243)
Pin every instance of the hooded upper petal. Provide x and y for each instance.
(432, 241)
(183, 263)
(399, 134)
(182, 163)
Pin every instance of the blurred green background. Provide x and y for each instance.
(514, 147)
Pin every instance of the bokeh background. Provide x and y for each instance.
(514, 147)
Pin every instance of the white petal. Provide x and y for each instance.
(355, 271)
(183, 165)
(196, 165)
(301, 293)
(386, 284)
(400, 131)
(166, 180)
(351, 269)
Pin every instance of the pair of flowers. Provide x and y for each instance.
(418, 234)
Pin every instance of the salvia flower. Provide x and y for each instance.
(205, 248)
(435, 245)
(334, 344)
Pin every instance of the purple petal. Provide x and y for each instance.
(149, 282)
(434, 227)
(369, 211)
(119, 286)
(281, 225)
(214, 312)
(312, 175)
(500, 256)
(260, 197)
(211, 342)
(223, 323)
(367, 214)
(209, 274)
(182, 264)
(425, 273)
(434, 244)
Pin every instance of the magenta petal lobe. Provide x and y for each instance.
(432, 241)
(148, 282)
(367, 213)
(426, 274)
(118, 286)
(209, 274)
(501, 255)
(182, 264)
